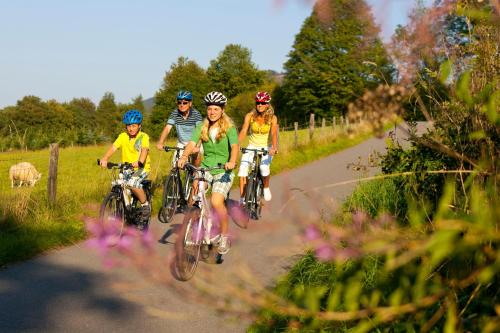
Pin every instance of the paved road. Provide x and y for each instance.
(70, 291)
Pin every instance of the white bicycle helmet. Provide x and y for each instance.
(215, 98)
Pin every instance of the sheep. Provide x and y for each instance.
(24, 172)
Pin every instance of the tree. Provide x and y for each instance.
(185, 74)
(137, 103)
(233, 71)
(240, 105)
(335, 57)
(108, 115)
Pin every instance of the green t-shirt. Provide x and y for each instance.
(218, 151)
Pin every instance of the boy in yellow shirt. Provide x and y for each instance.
(135, 148)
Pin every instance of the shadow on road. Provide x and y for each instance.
(48, 289)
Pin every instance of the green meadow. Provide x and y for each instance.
(30, 226)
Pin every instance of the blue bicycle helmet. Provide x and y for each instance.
(132, 117)
(184, 94)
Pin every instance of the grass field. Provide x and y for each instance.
(29, 225)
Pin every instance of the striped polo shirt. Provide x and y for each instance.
(184, 127)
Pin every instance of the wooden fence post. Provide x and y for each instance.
(296, 135)
(52, 181)
(311, 126)
(334, 123)
(323, 123)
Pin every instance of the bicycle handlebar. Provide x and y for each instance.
(193, 168)
(111, 165)
(167, 148)
(260, 151)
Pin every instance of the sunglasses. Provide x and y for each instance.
(261, 103)
(182, 102)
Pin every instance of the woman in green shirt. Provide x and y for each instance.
(220, 146)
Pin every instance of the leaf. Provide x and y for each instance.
(451, 318)
(463, 90)
(334, 298)
(352, 293)
(445, 70)
(477, 135)
(313, 297)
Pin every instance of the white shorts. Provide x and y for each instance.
(247, 159)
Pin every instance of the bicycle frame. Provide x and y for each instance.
(184, 191)
(204, 225)
(125, 194)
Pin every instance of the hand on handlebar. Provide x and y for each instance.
(159, 146)
(181, 162)
(103, 163)
(273, 151)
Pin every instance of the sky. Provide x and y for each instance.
(60, 49)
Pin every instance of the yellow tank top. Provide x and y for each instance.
(260, 134)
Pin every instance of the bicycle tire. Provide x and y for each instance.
(113, 211)
(259, 195)
(250, 196)
(188, 245)
(170, 199)
(188, 187)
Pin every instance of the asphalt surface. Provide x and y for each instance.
(70, 290)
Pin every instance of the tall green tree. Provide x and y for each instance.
(108, 115)
(185, 74)
(233, 71)
(336, 56)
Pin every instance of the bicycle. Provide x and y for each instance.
(254, 188)
(175, 194)
(197, 229)
(121, 204)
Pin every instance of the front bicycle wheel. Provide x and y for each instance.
(112, 214)
(249, 196)
(170, 199)
(188, 245)
(259, 197)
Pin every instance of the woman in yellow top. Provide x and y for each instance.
(263, 124)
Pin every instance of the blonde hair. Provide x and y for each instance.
(268, 114)
(224, 123)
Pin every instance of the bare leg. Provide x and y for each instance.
(140, 194)
(217, 201)
(243, 182)
(266, 180)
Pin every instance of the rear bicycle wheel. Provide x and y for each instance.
(188, 245)
(170, 199)
(188, 186)
(112, 215)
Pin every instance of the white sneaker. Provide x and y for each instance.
(267, 194)
(224, 244)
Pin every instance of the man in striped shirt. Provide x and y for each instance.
(185, 119)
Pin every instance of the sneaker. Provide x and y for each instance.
(242, 201)
(267, 194)
(145, 213)
(224, 244)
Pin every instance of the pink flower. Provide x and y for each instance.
(324, 252)
(312, 233)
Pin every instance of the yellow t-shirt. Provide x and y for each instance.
(260, 134)
(131, 147)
